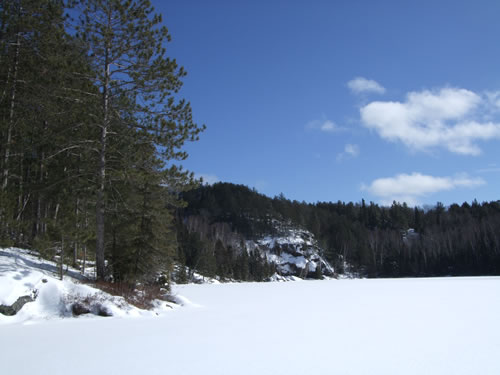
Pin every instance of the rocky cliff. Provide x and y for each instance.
(293, 251)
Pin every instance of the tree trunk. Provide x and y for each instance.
(38, 218)
(75, 242)
(86, 224)
(61, 263)
(11, 115)
(84, 259)
(100, 229)
(101, 177)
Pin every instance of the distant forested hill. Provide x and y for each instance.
(372, 240)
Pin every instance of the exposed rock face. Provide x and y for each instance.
(16, 306)
(294, 251)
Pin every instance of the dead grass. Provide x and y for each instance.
(139, 295)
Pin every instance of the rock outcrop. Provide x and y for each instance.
(294, 251)
(16, 306)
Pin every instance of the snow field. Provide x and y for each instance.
(405, 326)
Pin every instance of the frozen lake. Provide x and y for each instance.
(404, 326)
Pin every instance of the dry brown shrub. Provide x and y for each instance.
(139, 295)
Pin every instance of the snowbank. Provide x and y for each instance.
(24, 274)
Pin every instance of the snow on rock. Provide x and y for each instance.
(295, 252)
(22, 273)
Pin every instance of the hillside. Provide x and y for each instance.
(354, 238)
(284, 250)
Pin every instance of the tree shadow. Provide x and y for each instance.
(23, 262)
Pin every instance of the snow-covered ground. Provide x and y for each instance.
(25, 274)
(405, 326)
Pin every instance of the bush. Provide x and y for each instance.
(139, 295)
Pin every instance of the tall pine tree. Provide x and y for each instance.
(138, 86)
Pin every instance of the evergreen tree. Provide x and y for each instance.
(42, 119)
(138, 86)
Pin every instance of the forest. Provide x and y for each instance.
(92, 128)
(368, 239)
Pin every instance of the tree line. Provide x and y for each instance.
(368, 239)
(91, 132)
(214, 260)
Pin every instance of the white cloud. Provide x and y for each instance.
(360, 85)
(493, 98)
(409, 187)
(449, 118)
(208, 179)
(324, 125)
(350, 150)
(328, 126)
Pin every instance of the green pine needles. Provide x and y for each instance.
(92, 126)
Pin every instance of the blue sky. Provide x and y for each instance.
(344, 100)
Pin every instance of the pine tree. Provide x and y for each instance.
(138, 86)
(41, 116)
(143, 241)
